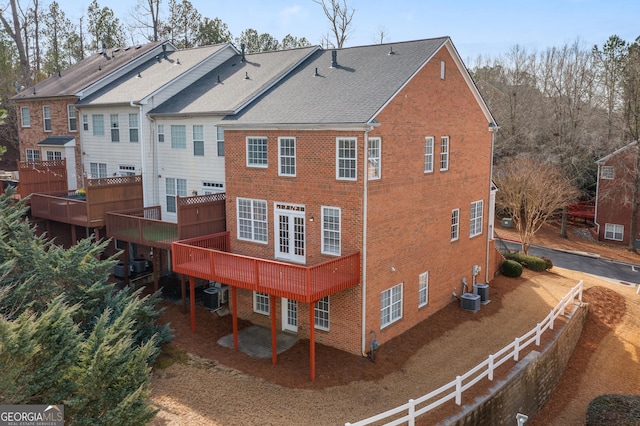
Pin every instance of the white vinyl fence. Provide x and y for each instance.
(455, 388)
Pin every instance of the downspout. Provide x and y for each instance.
(143, 163)
(155, 187)
(595, 211)
(365, 178)
(493, 129)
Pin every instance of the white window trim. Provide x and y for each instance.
(22, 109)
(219, 141)
(423, 289)
(210, 187)
(71, 107)
(354, 159)
(44, 119)
(99, 167)
(126, 170)
(178, 144)
(193, 136)
(136, 127)
(161, 132)
(428, 154)
(323, 248)
(85, 122)
(114, 126)
(281, 157)
(266, 160)
(445, 148)
(610, 173)
(256, 305)
(455, 226)
(612, 229)
(443, 67)
(391, 305)
(53, 155)
(317, 311)
(31, 155)
(474, 218)
(376, 159)
(253, 220)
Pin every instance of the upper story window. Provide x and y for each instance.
(287, 156)
(220, 141)
(428, 154)
(133, 128)
(54, 155)
(25, 116)
(178, 136)
(175, 188)
(455, 224)
(374, 152)
(346, 158)
(32, 155)
(423, 289)
(475, 225)
(98, 124)
(160, 132)
(115, 128)
(198, 140)
(252, 220)
(443, 68)
(257, 152)
(331, 230)
(46, 118)
(390, 305)
(85, 122)
(73, 121)
(444, 153)
(607, 172)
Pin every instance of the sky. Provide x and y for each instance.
(487, 28)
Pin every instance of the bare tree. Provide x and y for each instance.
(340, 16)
(531, 191)
(14, 29)
(146, 19)
(381, 34)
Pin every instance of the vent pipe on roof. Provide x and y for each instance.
(218, 78)
(334, 59)
(242, 47)
(315, 74)
(246, 76)
(104, 49)
(391, 52)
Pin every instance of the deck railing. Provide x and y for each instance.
(60, 207)
(142, 226)
(454, 389)
(203, 258)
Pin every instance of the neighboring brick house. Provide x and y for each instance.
(48, 124)
(614, 195)
(383, 152)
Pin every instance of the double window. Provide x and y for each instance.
(374, 152)
(287, 156)
(252, 220)
(346, 158)
(175, 188)
(54, 155)
(390, 305)
(257, 152)
(475, 226)
(98, 170)
(613, 232)
(32, 155)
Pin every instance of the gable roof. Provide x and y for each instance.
(151, 75)
(350, 92)
(85, 73)
(227, 88)
(606, 158)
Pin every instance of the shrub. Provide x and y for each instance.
(613, 410)
(511, 268)
(534, 263)
(548, 262)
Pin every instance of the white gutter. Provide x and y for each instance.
(493, 129)
(365, 178)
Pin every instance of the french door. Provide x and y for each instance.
(290, 233)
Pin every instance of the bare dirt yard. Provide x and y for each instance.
(200, 382)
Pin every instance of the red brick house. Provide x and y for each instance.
(380, 154)
(614, 194)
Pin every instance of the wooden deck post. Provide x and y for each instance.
(183, 289)
(274, 331)
(155, 266)
(234, 315)
(192, 297)
(312, 341)
(126, 264)
(74, 237)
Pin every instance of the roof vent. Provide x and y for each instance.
(158, 58)
(104, 49)
(391, 52)
(99, 67)
(139, 75)
(315, 74)
(334, 59)
(218, 78)
(246, 76)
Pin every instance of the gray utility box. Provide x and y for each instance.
(482, 290)
(507, 222)
(470, 302)
(211, 298)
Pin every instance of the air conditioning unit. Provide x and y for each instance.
(482, 290)
(212, 298)
(470, 302)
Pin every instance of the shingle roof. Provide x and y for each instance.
(234, 83)
(84, 73)
(364, 79)
(56, 140)
(151, 76)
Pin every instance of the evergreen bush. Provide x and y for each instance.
(511, 268)
(614, 410)
(534, 263)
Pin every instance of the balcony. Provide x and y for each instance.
(102, 195)
(209, 258)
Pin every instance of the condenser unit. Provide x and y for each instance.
(470, 302)
(482, 290)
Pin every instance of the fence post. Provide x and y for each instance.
(516, 349)
(581, 284)
(459, 390)
(538, 334)
(551, 319)
(490, 368)
(412, 412)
